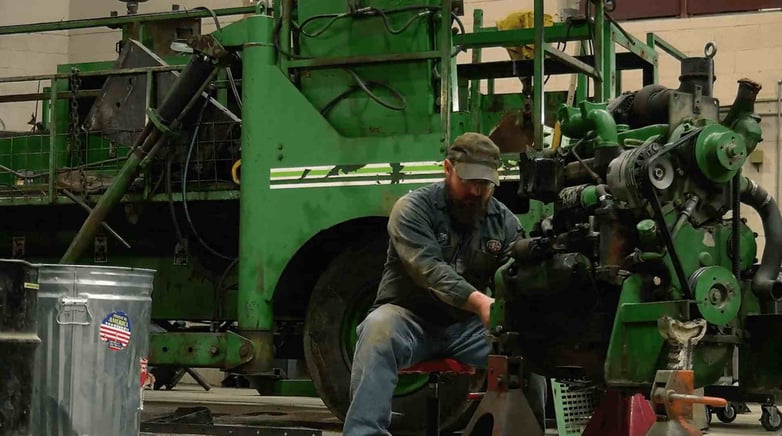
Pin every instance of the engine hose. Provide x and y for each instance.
(735, 223)
(689, 207)
(765, 284)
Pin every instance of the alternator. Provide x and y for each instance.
(624, 175)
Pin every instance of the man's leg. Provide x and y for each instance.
(467, 343)
(390, 338)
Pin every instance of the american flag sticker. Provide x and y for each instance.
(115, 329)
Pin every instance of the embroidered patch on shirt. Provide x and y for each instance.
(494, 246)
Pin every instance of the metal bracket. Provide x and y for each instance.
(155, 119)
(200, 350)
(210, 46)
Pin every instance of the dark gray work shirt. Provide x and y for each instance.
(432, 266)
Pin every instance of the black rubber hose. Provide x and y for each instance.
(184, 188)
(170, 193)
(765, 283)
(735, 199)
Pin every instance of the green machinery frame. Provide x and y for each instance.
(276, 152)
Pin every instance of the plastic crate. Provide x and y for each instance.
(574, 405)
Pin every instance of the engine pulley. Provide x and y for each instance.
(717, 293)
(661, 173)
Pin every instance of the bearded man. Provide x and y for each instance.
(446, 242)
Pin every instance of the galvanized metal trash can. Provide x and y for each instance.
(94, 327)
(18, 342)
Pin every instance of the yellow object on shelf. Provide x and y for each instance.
(522, 20)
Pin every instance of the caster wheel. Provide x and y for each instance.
(727, 414)
(771, 419)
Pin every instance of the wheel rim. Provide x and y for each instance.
(730, 411)
(407, 383)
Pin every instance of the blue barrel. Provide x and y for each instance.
(18, 342)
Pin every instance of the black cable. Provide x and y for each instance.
(171, 209)
(336, 99)
(276, 41)
(219, 289)
(225, 274)
(591, 172)
(462, 32)
(407, 24)
(212, 13)
(363, 86)
(370, 83)
(334, 18)
(370, 11)
(228, 67)
(184, 186)
(736, 224)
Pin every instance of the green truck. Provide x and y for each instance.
(254, 167)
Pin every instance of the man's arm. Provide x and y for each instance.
(480, 304)
(412, 235)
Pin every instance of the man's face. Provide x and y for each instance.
(467, 199)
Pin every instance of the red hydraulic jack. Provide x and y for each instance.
(672, 396)
(621, 414)
(669, 412)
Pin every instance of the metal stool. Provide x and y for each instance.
(435, 368)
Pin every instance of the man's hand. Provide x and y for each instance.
(479, 304)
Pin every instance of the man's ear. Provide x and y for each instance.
(447, 166)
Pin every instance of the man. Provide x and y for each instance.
(446, 242)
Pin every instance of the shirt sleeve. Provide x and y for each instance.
(411, 231)
(513, 228)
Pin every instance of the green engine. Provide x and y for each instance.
(646, 225)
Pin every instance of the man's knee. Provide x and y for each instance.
(384, 328)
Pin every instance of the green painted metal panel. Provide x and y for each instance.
(199, 350)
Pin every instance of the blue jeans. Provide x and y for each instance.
(392, 338)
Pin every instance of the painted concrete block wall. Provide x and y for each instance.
(96, 44)
(29, 54)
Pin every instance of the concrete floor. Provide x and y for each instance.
(245, 406)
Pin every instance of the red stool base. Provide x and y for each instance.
(442, 366)
(435, 368)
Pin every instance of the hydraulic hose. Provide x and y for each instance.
(765, 283)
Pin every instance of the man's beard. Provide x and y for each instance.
(467, 212)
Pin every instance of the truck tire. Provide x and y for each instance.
(339, 301)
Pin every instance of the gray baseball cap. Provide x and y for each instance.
(475, 157)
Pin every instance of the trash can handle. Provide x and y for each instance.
(68, 305)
